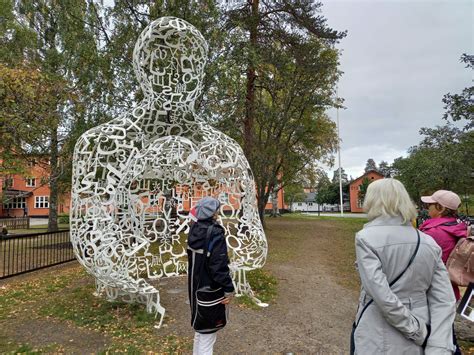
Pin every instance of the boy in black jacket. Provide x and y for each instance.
(210, 271)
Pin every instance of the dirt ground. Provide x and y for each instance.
(311, 314)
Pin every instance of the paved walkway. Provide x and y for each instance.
(38, 221)
(336, 214)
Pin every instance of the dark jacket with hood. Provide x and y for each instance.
(217, 273)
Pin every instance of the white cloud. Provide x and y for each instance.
(353, 160)
(399, 59)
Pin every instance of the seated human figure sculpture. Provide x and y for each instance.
(136, 177)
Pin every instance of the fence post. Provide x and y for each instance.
(27, 222)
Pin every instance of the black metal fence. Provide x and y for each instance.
(15, 223)
(28, 252)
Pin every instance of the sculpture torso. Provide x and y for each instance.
(136, 177)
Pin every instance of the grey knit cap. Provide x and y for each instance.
(206, 207)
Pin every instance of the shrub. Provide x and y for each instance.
(63, 218)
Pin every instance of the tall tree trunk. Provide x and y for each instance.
(275, 211)
(50, 40)
(251, 76)
(261, 209)
(261, 202)
(53, 183)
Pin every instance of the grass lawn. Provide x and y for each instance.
(37, 229)
(336, 243)
(66, 297)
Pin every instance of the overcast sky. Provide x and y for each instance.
(399, 59)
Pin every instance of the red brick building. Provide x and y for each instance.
(30, 191)
(354, 188)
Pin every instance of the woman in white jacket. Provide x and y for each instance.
(406, 304)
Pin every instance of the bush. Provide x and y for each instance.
(63, 218)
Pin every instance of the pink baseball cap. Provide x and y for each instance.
(445, 198)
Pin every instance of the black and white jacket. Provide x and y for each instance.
(217, 274)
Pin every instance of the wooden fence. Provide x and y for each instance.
(15, 223)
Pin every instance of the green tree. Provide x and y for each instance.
(63, 47)
(344, 178)
(326, 192)
(271, 75)
(461, 106)
(17, 40)
(370, 165)
(442, 160)
(363, 189)
(385, 169)
(329, 190)
(29, 99)
(278, 101)
(294, 193)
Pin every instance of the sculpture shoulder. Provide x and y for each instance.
(113, 129)
(213, 134)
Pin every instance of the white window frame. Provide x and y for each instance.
(30, 182)
(41, 201)
(224, 198)
(16, 203)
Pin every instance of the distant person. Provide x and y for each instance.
(210, 285)
(404, 305)
(444, 228)
(25, 212)
(4, 231)
(443, 225)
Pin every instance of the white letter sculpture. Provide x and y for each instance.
(136, 177)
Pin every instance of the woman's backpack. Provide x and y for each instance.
(460, 263)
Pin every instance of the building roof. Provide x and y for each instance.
(16, 193)
(310, 197)
(365, 174)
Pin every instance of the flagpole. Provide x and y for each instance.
(339, 156)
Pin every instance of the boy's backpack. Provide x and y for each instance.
(211, 315)
(460, 263)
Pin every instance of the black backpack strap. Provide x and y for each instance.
(395, 280)
(450, 224)
(208, 239)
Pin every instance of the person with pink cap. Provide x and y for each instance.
(444, 228)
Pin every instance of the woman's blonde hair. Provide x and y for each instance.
(388, 197)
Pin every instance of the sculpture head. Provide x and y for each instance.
(169, 60)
